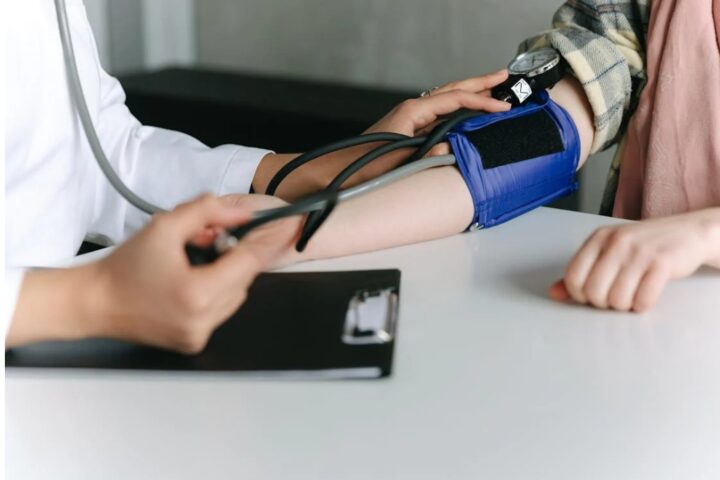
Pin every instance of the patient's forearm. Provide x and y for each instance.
(432, 204)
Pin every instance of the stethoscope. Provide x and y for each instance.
(318, 206)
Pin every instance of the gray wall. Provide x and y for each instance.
(133, 35)
(399, 43)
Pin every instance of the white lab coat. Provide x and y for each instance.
(55, 193)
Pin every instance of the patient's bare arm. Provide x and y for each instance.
(432, 204)
(569, 94)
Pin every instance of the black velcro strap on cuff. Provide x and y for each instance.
(516, 139)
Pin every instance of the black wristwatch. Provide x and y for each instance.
(530, 72)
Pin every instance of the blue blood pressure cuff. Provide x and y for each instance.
(517, 160)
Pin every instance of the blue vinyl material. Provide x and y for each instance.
(505, 192)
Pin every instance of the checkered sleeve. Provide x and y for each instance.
(603, 43)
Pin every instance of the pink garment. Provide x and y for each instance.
(671, 158)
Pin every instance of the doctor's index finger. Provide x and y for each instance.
(454, 100)
(242, 263)
(192, 218)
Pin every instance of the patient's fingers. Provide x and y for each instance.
(577, 271)
(475, 84)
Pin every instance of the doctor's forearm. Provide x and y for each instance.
(54, 304)
(271, 164)
(318, 173)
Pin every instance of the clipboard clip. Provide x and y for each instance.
(371, 317)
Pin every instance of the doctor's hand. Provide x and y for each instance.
(627, 267)
(415, 116)
(153, 295)
(418, 115)
(146, 291)
(268, 231)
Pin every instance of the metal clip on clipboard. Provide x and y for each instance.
(371, 317)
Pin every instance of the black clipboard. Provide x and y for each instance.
(301, 325)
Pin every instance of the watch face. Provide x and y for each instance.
(535, 62)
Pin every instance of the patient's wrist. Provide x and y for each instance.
(710, 225)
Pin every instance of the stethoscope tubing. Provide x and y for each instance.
(313, 203)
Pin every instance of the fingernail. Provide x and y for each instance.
(558, 292)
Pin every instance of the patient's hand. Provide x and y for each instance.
(626, 267)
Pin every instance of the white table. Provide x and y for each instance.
(492, 381)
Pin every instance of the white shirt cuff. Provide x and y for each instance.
(241, 169)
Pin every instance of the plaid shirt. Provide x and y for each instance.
(603, 42)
